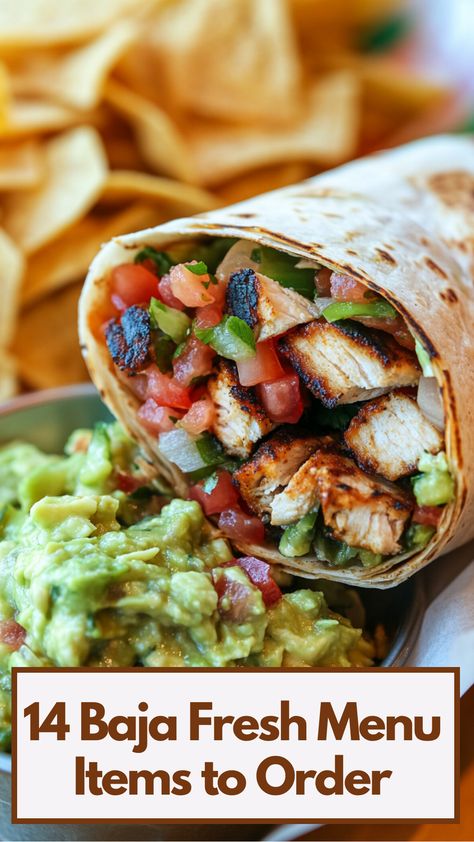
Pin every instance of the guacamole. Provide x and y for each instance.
(99, 567)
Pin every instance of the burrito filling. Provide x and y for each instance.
(295, 399)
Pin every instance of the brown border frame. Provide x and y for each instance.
(455, 671)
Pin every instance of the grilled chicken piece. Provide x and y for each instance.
(388, 436)
(344, 362)
(240, 420)
(272, 467)
(129, 340)
(361, 510)
(265, 305)
(299, 497)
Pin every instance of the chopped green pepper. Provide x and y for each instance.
(369, 559)
(210, 450)
(282, 268)
(424, 359)
(335, 552)
(172, 322)
(231, 338)
(297, 538)
(379, 309)
(417, 536)
(164, 351)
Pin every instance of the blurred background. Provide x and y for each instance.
(119, 114)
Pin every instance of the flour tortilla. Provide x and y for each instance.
(401, 221)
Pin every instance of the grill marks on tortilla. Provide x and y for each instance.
(431, 264)
(386, 256)
(129, 340)
(454, 188)
(343, 363)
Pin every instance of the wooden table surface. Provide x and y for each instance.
(462, 832)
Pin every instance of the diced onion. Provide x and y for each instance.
(320, 304)
(180, 448)
(429, 401)
(238, 257)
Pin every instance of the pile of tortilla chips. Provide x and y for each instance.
(119, 114)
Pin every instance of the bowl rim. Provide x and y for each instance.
(31, 399)
(409, 627)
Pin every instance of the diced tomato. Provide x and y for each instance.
(282, 399)
(157, 419)
(233, 597)
(208, 316)
(265, 365)
(194, 361)
(190, 288)
(127, 483)
(223, 496)
(322, 281)
(396, 327)
(149, 264)
(199, 417)
(428, 515)
(218, 291)
(12, 634)
(237, 525)
(165, 390)
(259, 573)
(137, 384)
(132, 284)
(166, 295)
(345, 288)
(198, 392)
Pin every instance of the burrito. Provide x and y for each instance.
(302, 363)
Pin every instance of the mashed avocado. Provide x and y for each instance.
(99, 568)
(434, 486)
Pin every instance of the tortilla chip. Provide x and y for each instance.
(8, 382)
(21, 165)
(127, 184)
(76, 78)
(67, 259)
(239, 65)
(325, 134)
(12, 266)
(261, 181)
(309, 14)
(46, 22)
(32, 117)
(402, 91)
(46, 345)
(158, 139)
(76, 169)
(5, 94)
